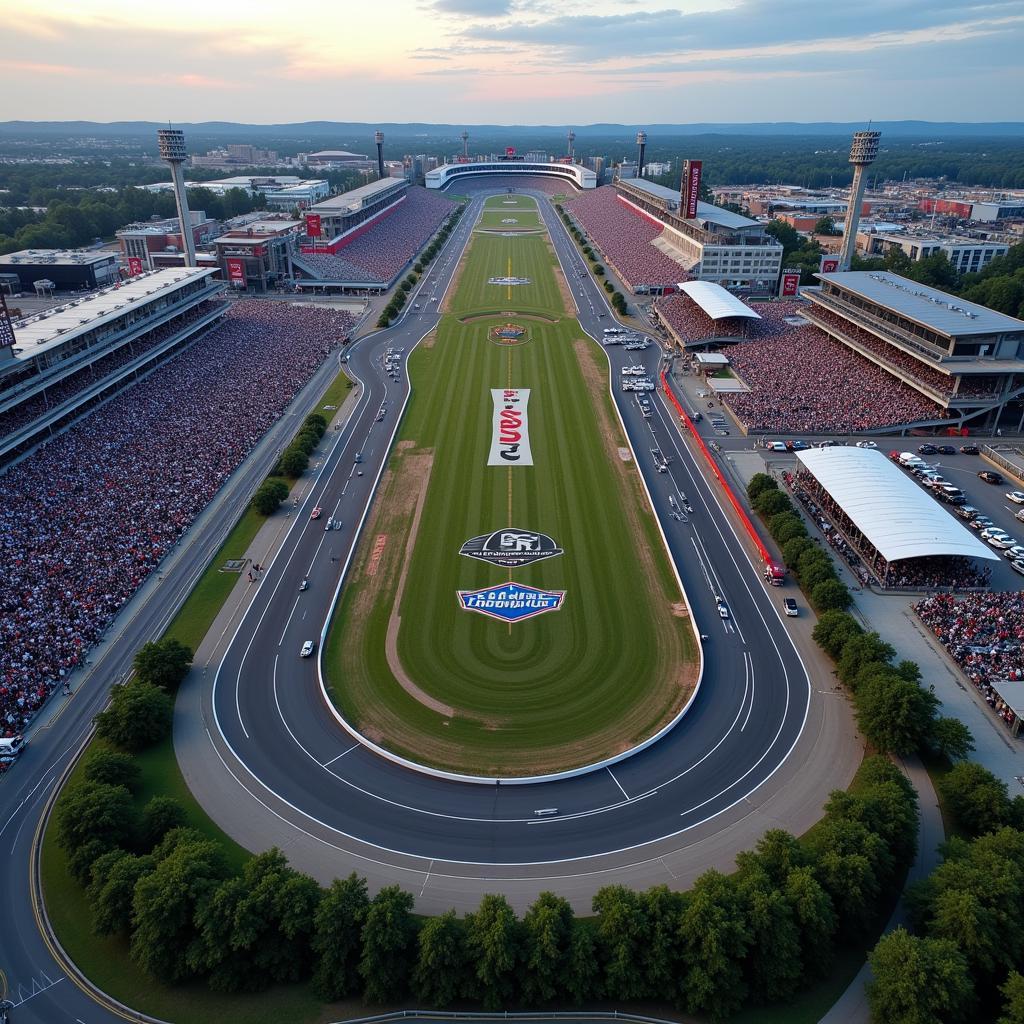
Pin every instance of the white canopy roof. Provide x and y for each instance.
(716, 301)
(896, 515)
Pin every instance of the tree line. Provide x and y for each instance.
(755, 936)
(75, 219)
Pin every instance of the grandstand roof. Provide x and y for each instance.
(57, 257)
(947, 314)
(60, 324)
(357, 197)
(899, 518)
(716, 301)
(705, 211)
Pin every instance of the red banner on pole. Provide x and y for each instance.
(828, 264)
(691, 186)
(790, 283)
(313, 225)
(134, 266)
(510, 151)
(236, 272)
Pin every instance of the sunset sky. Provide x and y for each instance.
(513, 61)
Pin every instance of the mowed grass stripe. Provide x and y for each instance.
(558, 690)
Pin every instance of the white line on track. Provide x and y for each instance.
(748, 665)
(298, 597)
(349, 750)
(617, 783)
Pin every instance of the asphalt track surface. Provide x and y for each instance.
(271, 717)
(282, 756)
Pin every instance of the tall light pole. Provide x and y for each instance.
(862, 155)
(172, 151)
(641, 141)
(379, 139)
(572, 141)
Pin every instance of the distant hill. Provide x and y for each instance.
(332, 129)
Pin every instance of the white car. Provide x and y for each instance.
(1014, 553)
(790, 607)
(723, 609)
(866, 444)
(1001, 543)
(1017, 567)
(1017, 497)
(307, 649)
(993, 531)
(778, 446)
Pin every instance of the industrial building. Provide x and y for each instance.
(257, 256)
(163, 237)
(300, 196)
(71, 270)
(967, 358)
(965, 255)
(336, 160)
(68, 358)
(716, 245)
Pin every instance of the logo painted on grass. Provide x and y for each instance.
(511, 547)
(511, 602)
(508, 334)
(508, 280)
(510, 435)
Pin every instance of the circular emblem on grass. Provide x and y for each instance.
(509, 334)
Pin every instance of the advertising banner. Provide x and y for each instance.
(511, 547)
(790, 283)
(510, 151)
(829, 264)
(134, 266)
(511, 602)
(6, 327)
(313, 225)
(236, 272)
(691, 187)
(510, 434)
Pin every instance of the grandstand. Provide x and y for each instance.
(702, 313)
(68, 358)
(573, 175)
(965, 358)
(376, 240)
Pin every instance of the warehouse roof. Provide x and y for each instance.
(716, 301)
(947, 314)
(894, 514)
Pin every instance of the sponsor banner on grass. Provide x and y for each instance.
(510, 435)
(511, 602)
(511, 547)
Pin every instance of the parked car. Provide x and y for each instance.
(789, 606)
(1015, 553)
(1001, 542)
(980, 523)
(968, 449)
(993, 531)
(723, 608)
(927, 449)
(967, 512)
(1017, 566)
(866, 444)
(798, 446)
(1017, 497)
(946, 449)
(991, 477)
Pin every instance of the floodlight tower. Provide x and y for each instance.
(862, 155)
(572, 142)
(172, 151)
(465, 145)
(379, 139)
(641, 141)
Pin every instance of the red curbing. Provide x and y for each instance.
(734, 501)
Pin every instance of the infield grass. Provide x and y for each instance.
(462, 691)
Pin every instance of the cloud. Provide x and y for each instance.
(475, 8)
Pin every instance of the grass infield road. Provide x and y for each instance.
(462, 691)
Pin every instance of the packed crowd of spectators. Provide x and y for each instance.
(624, 238)
(803, 381)
(87, 517)
(983, 635)
(518, 182)
(67, 387)
(383, 251)
(939, 572)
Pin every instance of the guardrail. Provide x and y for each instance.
(994, 454)
(765, 554)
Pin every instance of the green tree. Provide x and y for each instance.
(852, 864)
(833, 630)
(661, 909)
(159, 816)
(816, 919)
(786, 234)
(268, 497)
(92, 819)
(293, 462)
(918, 981)
(621, 939)
(860, 650)
(894, 714)
(825, 226)
(442, 965)
(338, 926)
(494, 942)
(951, 739)
(138, 716)
(793, 549)
(164, 940)
(774, 966)
(163, 663)
(112, 768)
(715, 934)
(785, 526)
(831, 595)
(255, 929)
(389, 942)
(1012, 992)
(582, 976)
(112, 888)
(977, 799)
(547, 935)
(769, 503)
